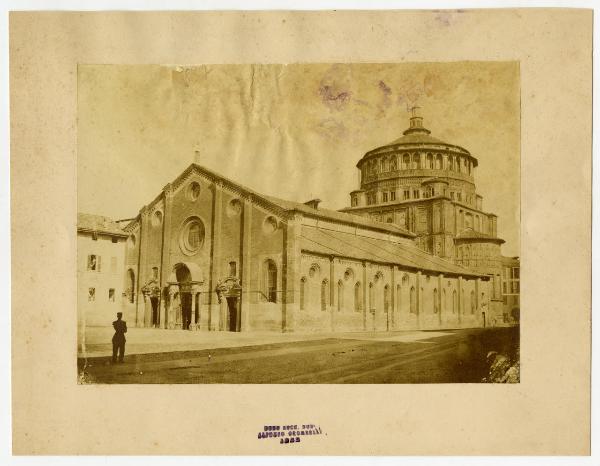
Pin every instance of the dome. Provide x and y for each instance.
(417, 135)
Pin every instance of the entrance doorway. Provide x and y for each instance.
(186, 310)
(233, 315)
(155, 315)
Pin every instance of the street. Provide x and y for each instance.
(451, 356)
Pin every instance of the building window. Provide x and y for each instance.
(392, 195)
(358, 297)
(416, 194)
(386, 298)
(385, 197)
(340, 295)
(407, 194)
(398, 297)
(111, 295)
(191, 237)
(193, 192)
(472, 302)
(114, 239)
(155, 273)
(354, 202)
(459, 197)
(324, 293)
(91, 294)
(95, 235)
(157, 217)
(454, 302)
(93, 263)
(271, 281)
(233, 269)
(416, 161)
(413, 300)
(405, 162)
(436, 308)
(430, 163)
(302, 293)
(444, 303)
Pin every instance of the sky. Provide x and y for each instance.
(291, 131)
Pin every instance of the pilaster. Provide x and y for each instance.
(246, 266)
(165, 252)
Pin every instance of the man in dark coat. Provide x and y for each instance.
(118, 339)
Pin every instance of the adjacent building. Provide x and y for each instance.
(100, 269)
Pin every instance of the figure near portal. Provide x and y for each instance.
(118, 339)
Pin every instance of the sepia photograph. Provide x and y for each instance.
(347, 234)
(331, 223)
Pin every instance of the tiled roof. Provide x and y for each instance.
(417, 138)
(338, 216)
(99, 224)
(472, 234)
(328, 242)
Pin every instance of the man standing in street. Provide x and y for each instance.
(118, 339)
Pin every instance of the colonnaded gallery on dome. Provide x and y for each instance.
(415, 249)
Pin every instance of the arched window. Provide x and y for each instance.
(340, 295)
(393, 163)
(398, 297)
(430, 164)
(302, 293)
(413, 301)
(383, 164)
(357, 297)
(270, 281)
(439, 162)
(444, 304)
(451, 163)
(324, 293)
(454, 302)
(472, 302)
(458, 161)
(462, 301)
(386, 298)
(405, 162)
(371, 300)
(436, 308)
(131, 285)
(416, 161)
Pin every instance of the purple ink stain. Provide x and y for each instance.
(385, 88)
(333, 98)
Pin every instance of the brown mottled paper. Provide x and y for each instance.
(546, 52)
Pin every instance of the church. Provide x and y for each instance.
(415, 250)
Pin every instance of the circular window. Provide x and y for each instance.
(131, 241)
(194, 191)
(349, 274)
(157, 218)
(234, 208)
(270, 225)
(191, 237)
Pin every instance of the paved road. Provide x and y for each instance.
(456, 356)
